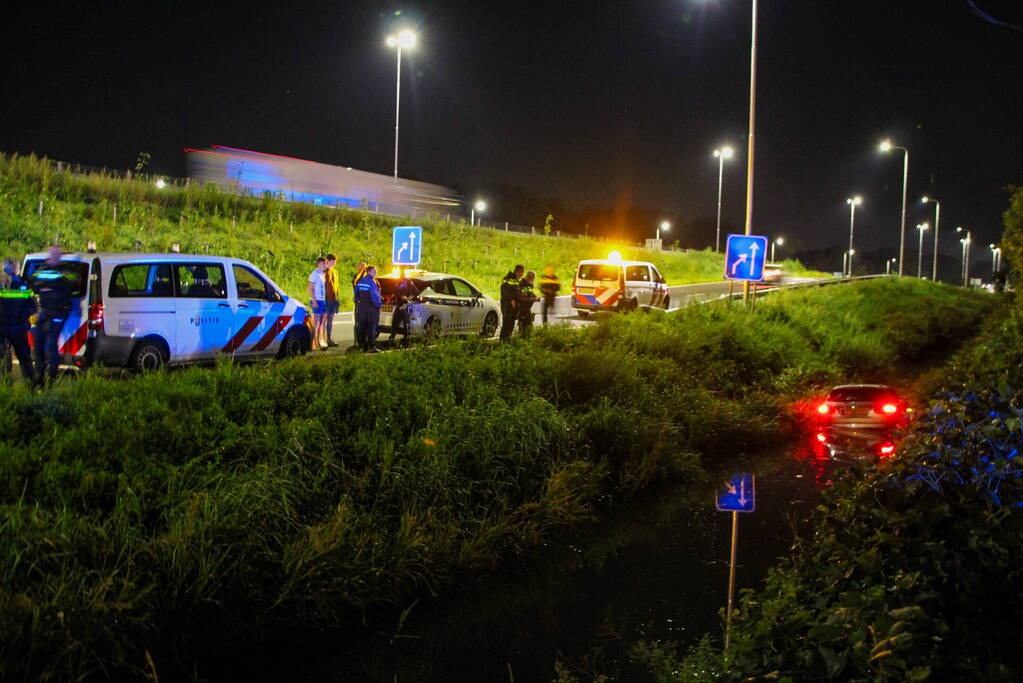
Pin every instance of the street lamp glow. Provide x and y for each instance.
(937, 225)
(922, 227)
(725, 152)
(777, 243)
(161, 183)
(404, 39)
(479, 206)
(665, 226)
(887, 146)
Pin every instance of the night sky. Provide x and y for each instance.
(599, 103)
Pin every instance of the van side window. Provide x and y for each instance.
(637, 274)
(252, 287)
(658, 278)
(141, 280)
(201, 280)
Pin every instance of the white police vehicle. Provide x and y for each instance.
(438, 304)
(613, 284)
(144, 311)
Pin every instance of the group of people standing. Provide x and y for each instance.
(518, 294)
(325, 302)
(47, 297)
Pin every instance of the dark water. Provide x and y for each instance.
(657, 571)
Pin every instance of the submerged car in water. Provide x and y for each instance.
(862, 406)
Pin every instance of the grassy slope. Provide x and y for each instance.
(305, 493)
(281, 238)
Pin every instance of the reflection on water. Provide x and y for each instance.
(657, 571)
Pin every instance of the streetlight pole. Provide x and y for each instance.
(888, 266)
(721, 154)
(922, 227)
(665, 226)
(403, 39)
(996, 255)
(480, 206)
(853, 202)
(937, 221)
(777, 243)
(885, 147)
(965, 242)
(749, 153)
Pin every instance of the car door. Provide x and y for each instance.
(444, 305)
(140, 302)
(259, 313)
(660, 287)
(638, 279)
(205, 314)
(468, 315)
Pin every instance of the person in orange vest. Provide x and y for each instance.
(549, 286)
(333, 299)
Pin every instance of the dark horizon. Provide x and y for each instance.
(616, 107)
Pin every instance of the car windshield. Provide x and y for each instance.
(862, 394)
(598, 271)
(389, 285)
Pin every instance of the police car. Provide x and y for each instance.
(613, 284)
(438, 304)
(144, 311)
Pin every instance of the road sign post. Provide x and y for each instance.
(738, 495)
(407, 245)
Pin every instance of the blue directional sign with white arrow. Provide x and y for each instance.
(745, 256)
(407, 245)
(738, 495)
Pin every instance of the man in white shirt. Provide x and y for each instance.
(318, 302)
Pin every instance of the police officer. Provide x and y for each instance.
(549, 286)
(510, 300)
(17, 305)
(360, 272)
(404, 291)
(527, 297)
(52, 283)
(367, 309)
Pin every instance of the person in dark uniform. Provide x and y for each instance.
(549, 286)
(404, 291)
(510, 300)
(527, 297)
(17, 305)
(367, 307)
(52, 283)
(360, 271)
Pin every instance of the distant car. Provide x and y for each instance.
(862, 406)
(774, 273)
(439, 304)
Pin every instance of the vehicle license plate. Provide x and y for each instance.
(387, 308)
(585, 290)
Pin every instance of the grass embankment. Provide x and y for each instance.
(914, 569)
(148, 521)
(280, 237)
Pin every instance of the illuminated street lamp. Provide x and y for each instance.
(888, 265)
(965, 242)
(479, 206)
(887, 146)
(725, 152)
(847, 257)
(996, 259)
(665, 226)
(937, 218)
(777, 243)
(161, 183)
(853, 202)
(403, 39)
(922, 227)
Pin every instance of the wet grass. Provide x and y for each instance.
(148, 522)
(282, 238)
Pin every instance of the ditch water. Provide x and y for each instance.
(657, 571)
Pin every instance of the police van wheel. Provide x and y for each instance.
(432, 329)
(294, 344)
(148, 355)
(489, 326)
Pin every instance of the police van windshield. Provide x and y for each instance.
(80, 269)
(598, 271)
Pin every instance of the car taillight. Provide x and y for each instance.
(823, 409)
(889, 409)
(822, 437)
(886, 448)
(95, 316)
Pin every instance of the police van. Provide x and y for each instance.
(437, 304)
(613, 284)
(143, 311)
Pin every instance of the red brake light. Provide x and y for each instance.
(95, 316)
(889, 409)
(822, 437)
(887, 448)
(823, 409)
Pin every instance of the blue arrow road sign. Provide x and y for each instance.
(745, 256)
(737, 495)
(407, 245)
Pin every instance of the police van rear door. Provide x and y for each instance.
(75, 333)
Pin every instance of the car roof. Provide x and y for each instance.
(419, 275)
(132, 256)
(862, 386)
(608, 262)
